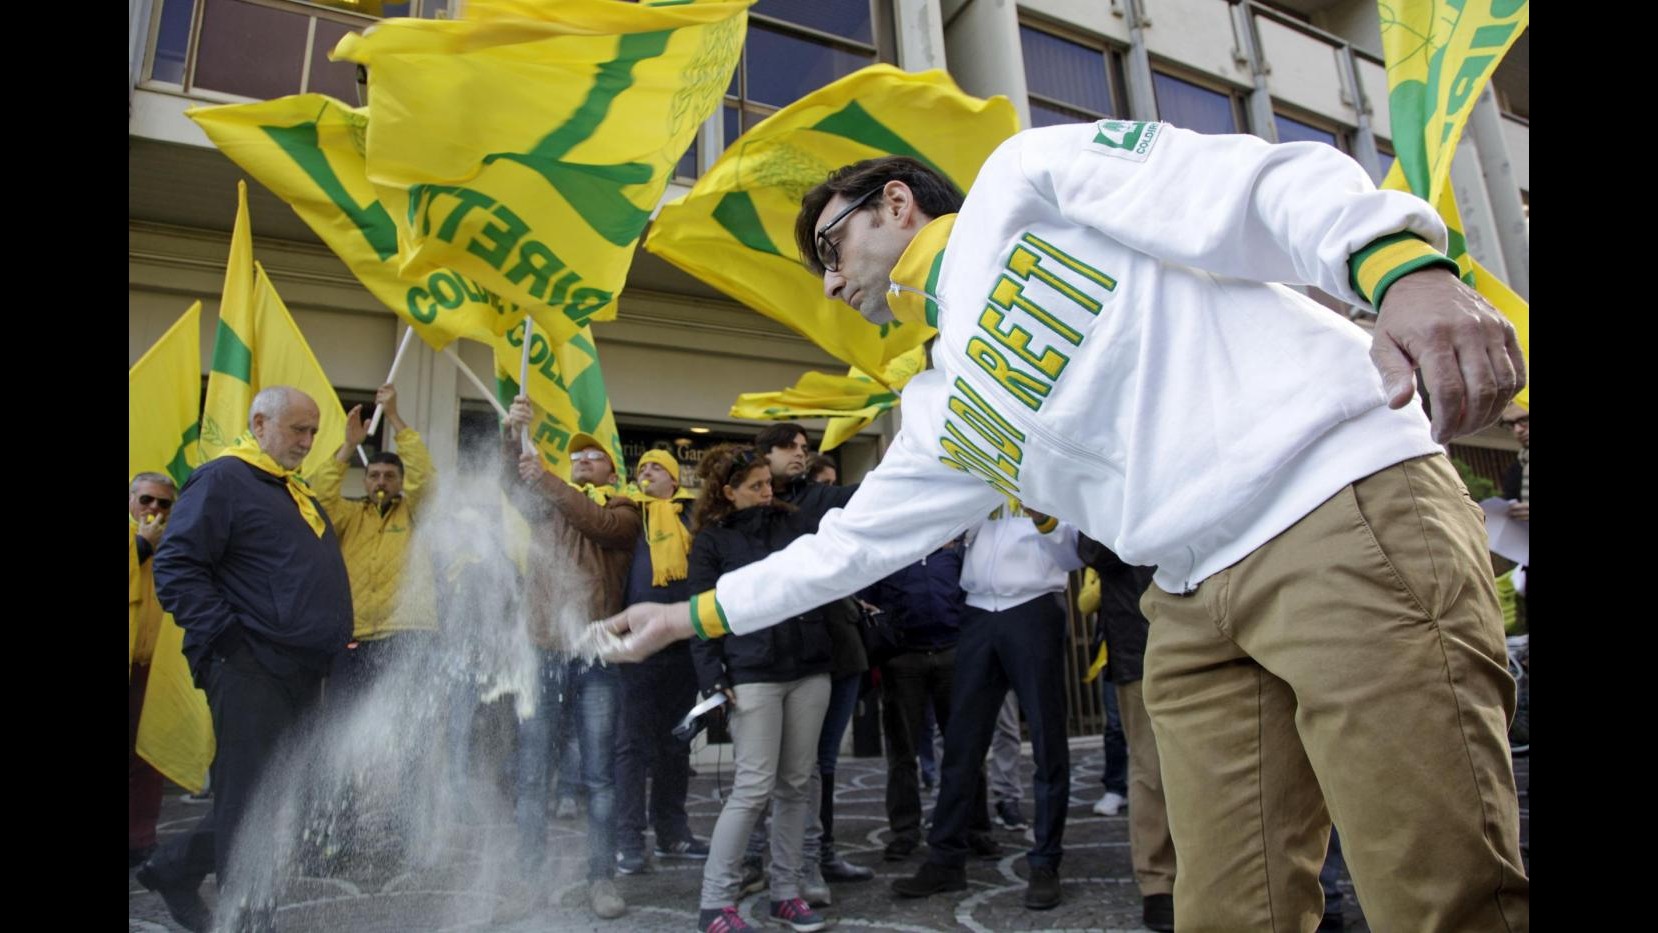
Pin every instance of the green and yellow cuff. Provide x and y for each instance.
(707, 618)
(1383, 262)
(1046, 526)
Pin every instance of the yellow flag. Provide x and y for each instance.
(735, 229)
(567, 387)
(164, 402)
(1439, 57)
(308, 149)
(175, 731)
(526, 145)
(850, 402)
(259, 345)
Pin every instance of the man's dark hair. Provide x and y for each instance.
(386, 456)
(934, 194)
(781, 434)
(818, 462)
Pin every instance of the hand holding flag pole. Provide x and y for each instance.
(524, 380)
(396, 361)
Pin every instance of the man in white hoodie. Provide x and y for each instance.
(1325, 640)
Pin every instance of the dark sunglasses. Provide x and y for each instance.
(156, 501)
(827, 252)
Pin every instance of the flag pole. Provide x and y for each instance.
(396, 361)
(466, 371)
(524, 380)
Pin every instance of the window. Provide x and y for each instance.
(793, 48)
(1193, 106)
(172, 41)
(1291, 131)
(1068, 82)
(256, 48)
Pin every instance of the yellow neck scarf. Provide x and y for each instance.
(246, 449)
(668, 538)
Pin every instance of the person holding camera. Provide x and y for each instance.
(777, 685)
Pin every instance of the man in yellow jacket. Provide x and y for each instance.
(374, 539)
(149, 497)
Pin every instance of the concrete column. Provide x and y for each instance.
(1508, 212)
(1249, 53)
(1142, 97)
(1364, 141)
(1478, 225)
(981, 38)
(920, 34)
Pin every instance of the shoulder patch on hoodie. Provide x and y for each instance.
(1126, 139)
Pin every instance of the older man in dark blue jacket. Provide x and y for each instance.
(251, 569)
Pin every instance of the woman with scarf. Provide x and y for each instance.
(777, 682)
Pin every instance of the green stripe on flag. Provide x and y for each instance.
(595, 191)
(587, 396)
(372, 221)
(179, 467)
(231, 356)
(854, 123)
(736, 213)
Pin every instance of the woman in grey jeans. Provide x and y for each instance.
(777, 682)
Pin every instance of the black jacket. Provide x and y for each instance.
(924, 601)
(814, 499)
(239, 564)
(1122, 624)
(792, 649)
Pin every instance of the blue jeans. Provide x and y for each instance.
(593, 693)
(1115, 776)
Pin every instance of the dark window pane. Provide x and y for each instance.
(687, 167)
(254, 51)
(1043, 115)
(1293, 131)
(782, 68)
(1065, 71)
(849, 18)
(733, 126)
(1193, 107)
(395, 9)
(336, 79)
(172, 41)
(1386, 162)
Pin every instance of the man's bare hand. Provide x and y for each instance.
(647, 628)
(520, 414)
(530, 468)
(1519, 510)
(150, 529)
(1468, 353)
(355, 430)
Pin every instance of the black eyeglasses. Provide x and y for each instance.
(827, 252)
(1511, 422)
(156, 501)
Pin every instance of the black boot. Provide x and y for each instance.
(837, 869)
(931, 878)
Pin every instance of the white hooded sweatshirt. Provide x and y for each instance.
(1111, 352)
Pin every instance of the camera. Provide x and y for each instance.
(697, 719)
